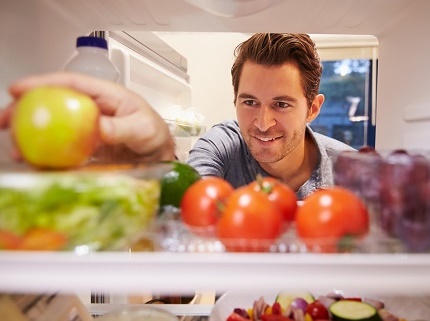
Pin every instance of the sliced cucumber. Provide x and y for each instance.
(284, 298)
(346, 310)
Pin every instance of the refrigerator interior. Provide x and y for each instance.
(39, 36)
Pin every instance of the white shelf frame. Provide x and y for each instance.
(184, 272)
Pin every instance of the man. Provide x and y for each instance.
(276, 80)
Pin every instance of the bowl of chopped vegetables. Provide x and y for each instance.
(95, 208)
(335, 305)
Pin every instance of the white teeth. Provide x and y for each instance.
(264, 139)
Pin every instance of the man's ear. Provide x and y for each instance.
(315, 108)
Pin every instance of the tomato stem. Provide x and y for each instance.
(265, 187)
(221, 207)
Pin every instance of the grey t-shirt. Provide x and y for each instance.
(222, 152)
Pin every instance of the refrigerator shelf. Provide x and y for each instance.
(127, 272)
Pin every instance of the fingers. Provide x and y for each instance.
(5, 116)
(112, 98)
(147, 135)
(88, 85)
(140, 131)
(110, 95)
(4, 124)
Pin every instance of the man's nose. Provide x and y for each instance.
(265, 119)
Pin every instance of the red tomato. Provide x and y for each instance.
(249, 221)
(279, 193)
(41, 239)
(317, 311)
(9, 240)
(202, 202)
(328, 215)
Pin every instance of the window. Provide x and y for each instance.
(349, 86)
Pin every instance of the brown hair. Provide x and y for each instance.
(276, 49)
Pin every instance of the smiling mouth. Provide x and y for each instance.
(266, 139)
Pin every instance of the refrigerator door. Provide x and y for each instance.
(151, 68)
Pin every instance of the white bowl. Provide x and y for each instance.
(147, 313)
(410, 308)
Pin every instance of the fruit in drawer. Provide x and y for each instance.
(175, 182)
(395, 185)
(203, 201)
(55, 128)
(331, 216)
(278, 193)
(249, 222)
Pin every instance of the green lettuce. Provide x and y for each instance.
(102, 212)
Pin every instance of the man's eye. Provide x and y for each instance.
(282, 104)
(250, 102)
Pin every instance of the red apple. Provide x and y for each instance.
(55, 128)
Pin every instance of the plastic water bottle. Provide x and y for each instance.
(92, 59)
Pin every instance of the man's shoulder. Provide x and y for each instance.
(329, 146)
(225, 128)
(328, 142)
(332, 142)
(229, 124)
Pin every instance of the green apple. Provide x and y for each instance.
(55, 127)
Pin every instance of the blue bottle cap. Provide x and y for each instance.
(91, 42)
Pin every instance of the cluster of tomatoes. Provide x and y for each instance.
(251, 217)
(255, 213)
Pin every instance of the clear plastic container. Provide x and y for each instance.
(92, 58)
(94, 208)
(395, 185)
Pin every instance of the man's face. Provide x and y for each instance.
(272, 110)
